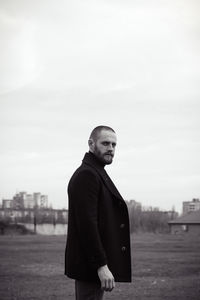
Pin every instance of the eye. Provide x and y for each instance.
(105, 143)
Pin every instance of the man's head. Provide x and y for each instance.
(102, 143)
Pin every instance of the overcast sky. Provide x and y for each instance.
(68, 66)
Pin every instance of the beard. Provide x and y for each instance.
(105, 158)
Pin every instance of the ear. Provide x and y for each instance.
(91, 145)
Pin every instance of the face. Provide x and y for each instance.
(104, 147)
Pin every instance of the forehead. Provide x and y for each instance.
(107, 135)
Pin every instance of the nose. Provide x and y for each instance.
(110, 147)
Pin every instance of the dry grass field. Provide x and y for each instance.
(165, 267)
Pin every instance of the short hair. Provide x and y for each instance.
(96, 131)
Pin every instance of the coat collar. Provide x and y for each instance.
(92, 160)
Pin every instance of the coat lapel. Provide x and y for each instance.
(91, 160)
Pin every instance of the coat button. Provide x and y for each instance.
(122, 226)
(123, 249)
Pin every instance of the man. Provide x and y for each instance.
(98, 240)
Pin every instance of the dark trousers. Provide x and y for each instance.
(88, 290)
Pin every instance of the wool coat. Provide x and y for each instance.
(98, 225)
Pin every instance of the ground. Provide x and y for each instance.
(165, 267)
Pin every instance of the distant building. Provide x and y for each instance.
(22, 200)
(18, 200)
(188, 223)
(44, 201)
(7, 203)
(26, 208)
(190, 206)
(36, 199)
(29, 201)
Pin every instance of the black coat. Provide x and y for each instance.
(98, 225)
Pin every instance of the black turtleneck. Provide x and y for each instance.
(94, 159)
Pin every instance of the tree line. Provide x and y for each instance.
(149, 219)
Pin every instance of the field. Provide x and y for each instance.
(165, 267)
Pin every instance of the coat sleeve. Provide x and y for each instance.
(84, 195)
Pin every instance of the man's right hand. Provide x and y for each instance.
(106, 278)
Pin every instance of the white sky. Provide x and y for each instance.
(68, 66)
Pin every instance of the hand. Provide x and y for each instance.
(106, 278)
